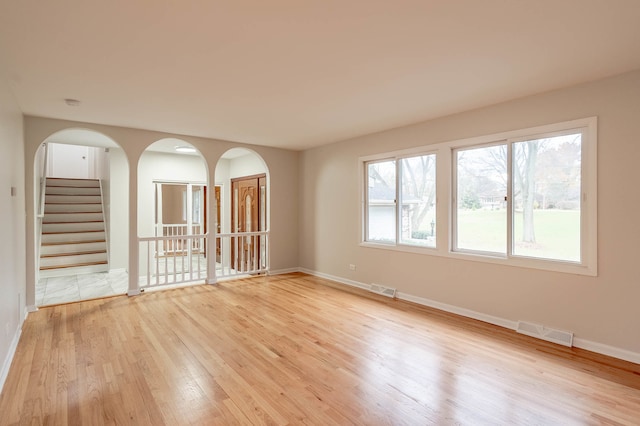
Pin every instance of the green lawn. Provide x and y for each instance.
(557, 233)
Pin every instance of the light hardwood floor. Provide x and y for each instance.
(294, 349)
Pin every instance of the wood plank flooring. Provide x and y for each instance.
(294, 349)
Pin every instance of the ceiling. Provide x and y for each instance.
(302, 73)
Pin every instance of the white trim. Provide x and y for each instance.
(135, 292)
(511, 325)
(31, 308)
(340, 280)
(9, 358)
(585, 344)
(445, 203)
(283, 271)
(603, 349)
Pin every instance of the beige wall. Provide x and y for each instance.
(602, 311)
(12, 226)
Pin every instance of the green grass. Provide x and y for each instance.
(557, 233)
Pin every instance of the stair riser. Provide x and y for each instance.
(72, 227)
(66, 190)
(61, 261)
(78, 236)
(72, 199)
(73, 182)
(71, 208)
(72, 248)
(72, 217)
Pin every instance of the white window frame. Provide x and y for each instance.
(445, 211)
(396, 157)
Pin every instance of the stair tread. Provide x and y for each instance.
(59, 243)
(72, 178)
(69, 223)
(72, 232)
(43, 268)
(71, 186)
(48, 213)
(73, 212)
(73, 253)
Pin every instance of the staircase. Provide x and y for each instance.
(73, 229)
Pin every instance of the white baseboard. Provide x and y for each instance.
(31, 308)
(603, 349)
(283, 271)
(341, 280)
(585, 344)
(9, 358)
(458, 311)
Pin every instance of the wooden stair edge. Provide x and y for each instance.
(73, 212)
(74, 253)
(71, 204)
(72, 232)
(59, 243)
(74, 265)
(70, 223)
(70, 178)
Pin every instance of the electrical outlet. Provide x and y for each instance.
(352, 266)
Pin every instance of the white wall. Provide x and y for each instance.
(161, 167)
(247, 165)
(227, 169)
(602, 311)
(118, 209)
(69, 161)
(12, 226)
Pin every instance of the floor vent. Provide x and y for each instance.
(385, 291)
(560, 337)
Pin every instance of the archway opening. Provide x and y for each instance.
(172, 214)
(81, 186)
(242, 210)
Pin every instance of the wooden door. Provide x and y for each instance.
(248, 210)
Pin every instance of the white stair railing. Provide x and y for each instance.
(242, 253)
(177, 230)
(167, 260)
(162, 263)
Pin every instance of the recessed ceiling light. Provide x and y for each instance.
(185, 149)
(72, 102)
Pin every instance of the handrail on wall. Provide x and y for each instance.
(43, 182)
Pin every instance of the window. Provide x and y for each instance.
(481, 218)
(381, 201)
(400, 198)
(527, 189)
(524, 198)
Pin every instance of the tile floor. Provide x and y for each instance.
(56, 290)
(72, 288)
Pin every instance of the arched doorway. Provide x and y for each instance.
(80, 187)
(242, 206)
(172, 214)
